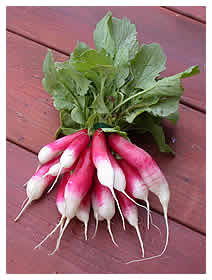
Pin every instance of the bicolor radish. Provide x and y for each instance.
(37, 184)
(83, 212)
(76, 188)
(134, 184)
(105, 172)
(148, 169)
(105, 204)
(51, 150)
(130, 212)
(120, 182)
(60, 203)
(71, 153)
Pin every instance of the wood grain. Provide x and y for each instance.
(195, 12)
(185, 253)
(182, 38)
(32, 122)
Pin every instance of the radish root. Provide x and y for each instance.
(56, 179)
(86, 230)
(23, 209)
(59, 238)
(52, 232)
(166, 243)
(110, 231)
(97, 223)
(119, 208)
(140, 239)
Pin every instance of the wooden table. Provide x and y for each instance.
(32, 122)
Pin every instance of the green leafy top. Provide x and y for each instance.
(116, 85)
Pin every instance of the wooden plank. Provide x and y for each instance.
(185, 253)
(32, 122)
(182, 39)
(195, 12)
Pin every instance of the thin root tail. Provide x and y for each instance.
(110, 231)
(23, 209)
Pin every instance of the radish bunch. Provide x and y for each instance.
(92, 176)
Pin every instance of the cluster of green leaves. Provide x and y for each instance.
(115, 85)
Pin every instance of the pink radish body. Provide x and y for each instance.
(71, 153)
(83, 212)
(37, 185)
(148, 169)
(135, 185)
(51, 150)
(101, 160)
(130, 212)
(105, 204)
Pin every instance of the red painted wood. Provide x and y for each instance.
(195, 12)
(185, 253)
(182, 38)
(32, 122)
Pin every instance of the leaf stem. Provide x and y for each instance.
(131, 97)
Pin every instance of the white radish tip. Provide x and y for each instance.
(56, 179)
(45, 155)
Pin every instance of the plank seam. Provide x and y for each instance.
(176, 11)
(37, 41)
(192, 106)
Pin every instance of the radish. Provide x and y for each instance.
(83, 212)
(130, 212)
(60, 203)
(135, 185)
(51, 150)
(105, 172)
(71, 154)
(148, 169)
(76, 188)
(119, 178)
(37, 185)
(105, 204)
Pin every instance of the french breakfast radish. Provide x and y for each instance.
(51, 150)
(105, 171)
(148, 169)
(71, 153)
(130, 213)
(36, 185)
(83, 212)
(76, 188)
(120, 183)
(134, 184)
(105, 204)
